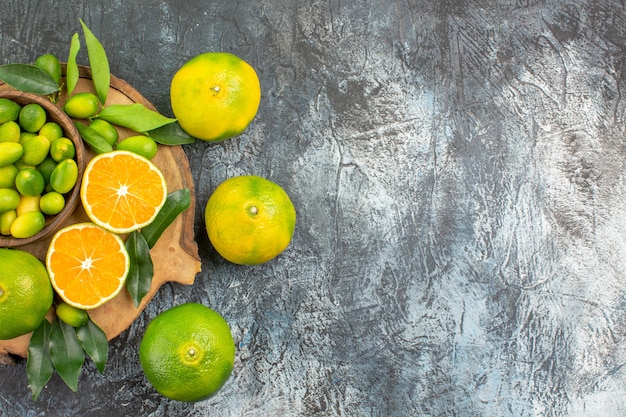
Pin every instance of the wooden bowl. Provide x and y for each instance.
(72, 198)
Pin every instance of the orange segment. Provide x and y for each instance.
(122, 191)
(87, 265)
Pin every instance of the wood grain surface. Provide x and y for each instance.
(175, 255)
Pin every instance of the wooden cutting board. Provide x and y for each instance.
(175, 255)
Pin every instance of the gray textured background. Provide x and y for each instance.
(458, 168)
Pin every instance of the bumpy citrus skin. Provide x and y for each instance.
(25, 293)
(187, 352)
(249, 219)
(215, 96)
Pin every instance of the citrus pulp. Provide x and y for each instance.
(122, 191)
(87, 264)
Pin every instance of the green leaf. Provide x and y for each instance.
(141, 269)
(176, 202)
(134, 116)
(92, 138)
(95, 343)
(39, 366)
(66, 353)
(28, 78)
(171, 134)
(99, 63)
(71, 70)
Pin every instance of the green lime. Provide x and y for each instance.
(71, 315)
(62, 148)
(106, 130)
(139, 144)
(10, 152)
(9, 199)
(51, 130)
(10, 132)
(64, 176)
(6, 220)
(36, 149)
(51, 65)
(29, 182)
(9, 110)
(7, 176)
(46, 168)
(187, 352)
(52, 203)
(26, 294)
(28, 224)
(24, 136)
(82, 105)
(32, 117)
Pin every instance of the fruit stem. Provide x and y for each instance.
(254, 210)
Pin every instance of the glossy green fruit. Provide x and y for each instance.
(64, 176)
(28, 224)
(82, 105)
(139, 144)
(32, 117)
(10, 132)
(9, 110)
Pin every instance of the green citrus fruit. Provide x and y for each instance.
(52, 203)
(29, 182)
(139, 144)
(106, 130)
(187, 352)
(9, 110)
(51, 65)
(64, 176)
(36, 149)
(51, 130)
(32, 117)
(215, 95)
(62, 148)
(9, 199)
(71, 315)
(10, 132)
(28, 224)
(7, 176)
(6, 220)
(249, 219)
(82, 105)
(25, 293)
(46, 168)
(10, 152)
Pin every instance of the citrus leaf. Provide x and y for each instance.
(171, 134)
(92, 138)
(71, 70)
(99, 64)
(141, 269)
(28, 78)
(175, 203)
(95, 343)
(134, 116)
(66, 353)
(39, 366)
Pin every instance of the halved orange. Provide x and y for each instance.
(122, 191)
(87, 265)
